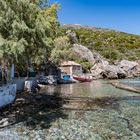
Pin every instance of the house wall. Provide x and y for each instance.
(71, 69)
(7, 94)
(76, 70)
(66, 69)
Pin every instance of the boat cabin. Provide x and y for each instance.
(70, 68)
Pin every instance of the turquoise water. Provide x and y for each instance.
(132, 82)
(94, 111)
(95, 89)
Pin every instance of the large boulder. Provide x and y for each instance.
(137, 73)
(98, 68)
(84, 53)
(113, 72)
(132, 68)
(127, 65)
(123, 69)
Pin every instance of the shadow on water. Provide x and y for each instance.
(94, 104)
(44, 118)
(43, 109)
(33, 110)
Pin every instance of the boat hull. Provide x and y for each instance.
(82, 79)
(61, 81)
(7, 94)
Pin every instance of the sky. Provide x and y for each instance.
(121, 15)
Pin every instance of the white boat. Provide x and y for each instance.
(7, 94)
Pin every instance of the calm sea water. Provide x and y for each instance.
(94, 89)
(94, 111)
(132, 82)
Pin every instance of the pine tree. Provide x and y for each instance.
(26, 30)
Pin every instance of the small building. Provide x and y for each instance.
(70, 68)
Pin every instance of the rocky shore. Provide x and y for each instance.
(46, 117)
(26, 105)
(102, 68)
(120, 85)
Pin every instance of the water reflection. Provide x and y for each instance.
(95, 89)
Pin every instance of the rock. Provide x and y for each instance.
(72, 37)
(132, 68)
(4, 122)
(20, 100)
(127, 65)
(84, 53)
(99, 67)
(29, 119)
(113, 72)
(123, 69)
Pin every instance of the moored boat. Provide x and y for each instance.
(62, 81)
(7, 94)
(82, 78)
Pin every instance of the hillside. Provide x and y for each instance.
(111, 44)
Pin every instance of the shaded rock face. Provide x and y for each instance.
(132, 68)
(84, 53)
(72, 36)
(113, 72)
(99, 67)
(124, 69)
(138, 68)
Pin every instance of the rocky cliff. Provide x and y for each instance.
(111, 54)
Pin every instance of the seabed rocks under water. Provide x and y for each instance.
(104, 123)
(106, 118)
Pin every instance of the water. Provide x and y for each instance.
(94, 111)
(132, 82)
(95, 89)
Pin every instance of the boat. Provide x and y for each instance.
(62, 81)
(7, 94)
(82, 78)
(47, 80)
(65, 79)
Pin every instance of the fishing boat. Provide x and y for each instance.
(82, 78)
(65, 79)
(7, 94)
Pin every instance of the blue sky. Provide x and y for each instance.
(121, 15)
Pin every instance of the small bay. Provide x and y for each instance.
(95, 110)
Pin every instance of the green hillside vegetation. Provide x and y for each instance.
(111, 44)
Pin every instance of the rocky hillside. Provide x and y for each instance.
(112, 45)
(106, 53)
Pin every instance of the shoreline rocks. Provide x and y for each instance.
(119, 85)
(103, 69)
(123, 69)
